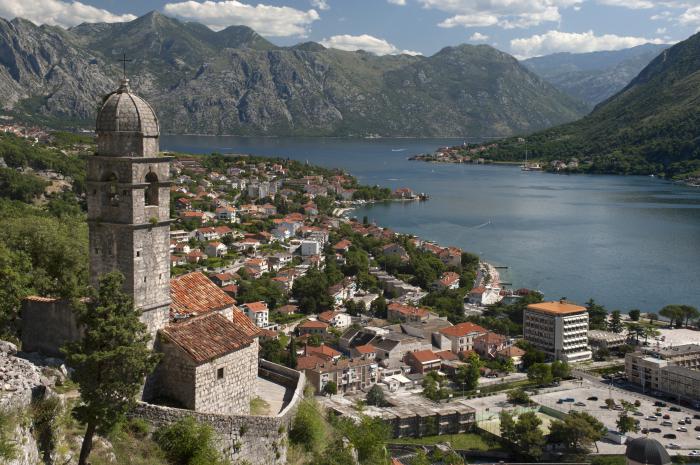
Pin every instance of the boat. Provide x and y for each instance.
(530, 166)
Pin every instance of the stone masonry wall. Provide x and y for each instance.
(230, 395)
(255, 439)
(47, 324)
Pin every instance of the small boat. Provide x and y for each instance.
(398, 150)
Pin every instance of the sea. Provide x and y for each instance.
(626, 241)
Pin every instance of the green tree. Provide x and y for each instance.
(626, 423)
(292, 353)
(187, 442)
(375, 396)
(330, 388)
(112, 359)
(578, 430)
(560, 369)
(616, 322)
(674, 313)
(335, 453)
(379, 307)
(473, 372)
(518, 396)
(540, 373)
(368, 438)
(597, 315)
(507, 425)
(688, 313)
(634, 314)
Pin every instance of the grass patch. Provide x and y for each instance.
(608, 460)
(465, 441)
(609, 370)
(259, 406)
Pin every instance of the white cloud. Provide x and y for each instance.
(556, 41)
(661, 30)
(58, 13)
(691, 17)
(397, 2)
(320, 4)
(631, 4)
(479, 37)
(507, 14)
(276, 21)
(364, 42)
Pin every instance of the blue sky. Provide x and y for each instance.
(521, 27)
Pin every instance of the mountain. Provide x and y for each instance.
(236, 82)
(593, 77)
(651, 126)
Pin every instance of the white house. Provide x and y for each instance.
(216, 249)
(309, 248)
(258, 313)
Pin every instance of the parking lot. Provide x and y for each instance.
(583, 394)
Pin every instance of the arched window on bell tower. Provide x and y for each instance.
(152, 189)
(112, 188)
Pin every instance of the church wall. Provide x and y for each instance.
(175, 375)
(47, 325)
(232, 394)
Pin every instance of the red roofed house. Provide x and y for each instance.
(222, 279)
(487, 345)
(313, 327)
(342, 246)
(258, 313)
(366, 351)
(514, 353)
(448, 280)
(406, 313)
(216, 249)
(323, 352)
(423, 361)
(462, 336)
(338, 320)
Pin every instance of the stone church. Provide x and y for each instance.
(209, 347)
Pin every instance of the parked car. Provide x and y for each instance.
(655, 430)
(658, 403)
(688, 420)
(681, 422)
(637, 413)
(667, 416)
(658, 414)
(697, 428)
(651, 418)
(645, 431)
(666, 423)
(669, 436)
(694, 453)
(697, 416)
(675, 409)
(682, 429)
(580, 404)
(672, 445)
(594, 398)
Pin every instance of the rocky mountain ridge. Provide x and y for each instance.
(236, 82)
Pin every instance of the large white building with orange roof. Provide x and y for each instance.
(559, 328)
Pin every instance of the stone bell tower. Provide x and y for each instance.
(128, 192)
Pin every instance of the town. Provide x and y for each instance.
(268, 305)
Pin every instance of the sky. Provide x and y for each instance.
(524, 28)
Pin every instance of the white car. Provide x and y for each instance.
(673, 445)
(682, 429)
(651, 418)
(694, 453)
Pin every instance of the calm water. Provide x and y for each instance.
(628, 242)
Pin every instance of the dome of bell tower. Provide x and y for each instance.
(126, 125)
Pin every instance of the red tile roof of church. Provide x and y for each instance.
(207, 337)
(194, 293)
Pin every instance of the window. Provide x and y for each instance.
(152, 189)
(220, 373)
(112, 189)
(138, 253)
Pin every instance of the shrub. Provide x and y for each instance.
(307, 427)
(45, 417)
(187, 442)
(7, 445)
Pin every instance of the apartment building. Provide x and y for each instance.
(350, 375)
(560, 329)
(672, 370)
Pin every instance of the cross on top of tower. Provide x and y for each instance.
(124, 60)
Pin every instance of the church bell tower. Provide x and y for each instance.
(128, 192)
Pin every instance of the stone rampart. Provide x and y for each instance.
(252, 438)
